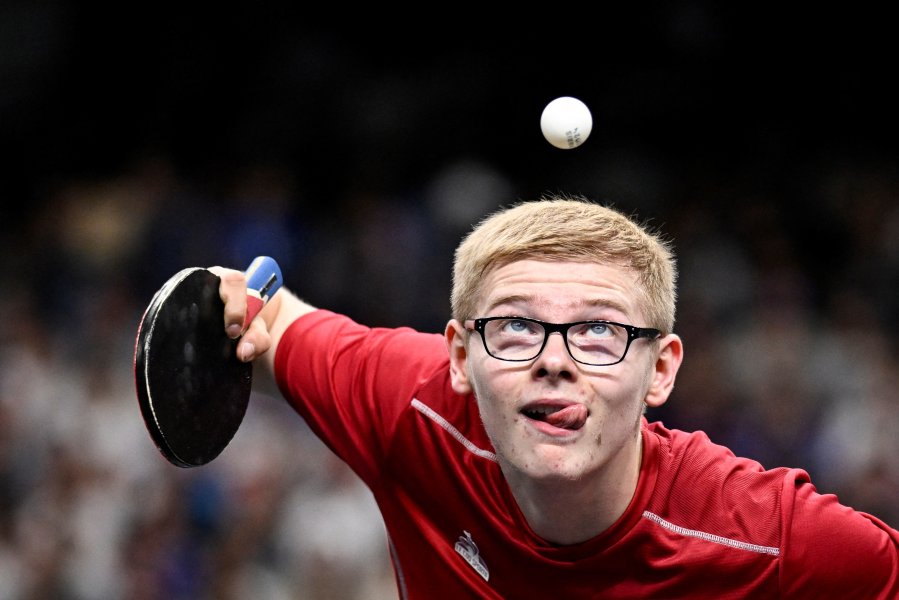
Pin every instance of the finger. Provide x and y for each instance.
(255, 342)
(233, 291)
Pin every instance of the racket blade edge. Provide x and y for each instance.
(192, 391)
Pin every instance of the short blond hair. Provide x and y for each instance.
(567, 228)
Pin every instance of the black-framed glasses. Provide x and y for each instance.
(596, 343)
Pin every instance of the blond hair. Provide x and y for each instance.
(567, 228)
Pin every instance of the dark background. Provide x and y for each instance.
(358, 147)
(751, 96)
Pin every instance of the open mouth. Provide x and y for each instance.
(571, 417)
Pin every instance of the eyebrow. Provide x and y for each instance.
(529, 299)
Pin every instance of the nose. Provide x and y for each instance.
(554, 361)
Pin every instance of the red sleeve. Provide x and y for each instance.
(833, 551)
(351, 383)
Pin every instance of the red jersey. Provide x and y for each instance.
(703, 523)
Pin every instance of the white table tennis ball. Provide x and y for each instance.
(566, 122)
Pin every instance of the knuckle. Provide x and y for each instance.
(233, 278)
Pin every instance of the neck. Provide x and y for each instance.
(574, 511)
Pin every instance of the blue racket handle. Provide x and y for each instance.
(263, 280)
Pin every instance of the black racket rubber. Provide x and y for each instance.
(192, 390)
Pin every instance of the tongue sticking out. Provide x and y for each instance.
(571, 417)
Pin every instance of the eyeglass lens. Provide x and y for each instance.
(522, 339)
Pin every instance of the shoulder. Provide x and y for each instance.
(703, 485)
(823, 545)
(833, 547)
(694, 454)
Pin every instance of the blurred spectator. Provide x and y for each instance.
(91, 511)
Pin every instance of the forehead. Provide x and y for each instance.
(563, 289)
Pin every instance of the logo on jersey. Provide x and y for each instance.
(468, 550)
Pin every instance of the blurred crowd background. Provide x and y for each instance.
(139, 143)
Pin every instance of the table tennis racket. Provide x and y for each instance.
(192, 390)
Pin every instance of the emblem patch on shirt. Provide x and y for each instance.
(468, 550)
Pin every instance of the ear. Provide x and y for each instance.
(671, 354)
(456, 338)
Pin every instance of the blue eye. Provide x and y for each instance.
(595, 331)
(599, 329)
(518, 326)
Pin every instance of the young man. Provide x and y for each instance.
(512, 462)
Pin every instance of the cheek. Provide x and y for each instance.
(493, 395)
(619, 411)
(600, 423)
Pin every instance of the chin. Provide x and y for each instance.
(555, 465)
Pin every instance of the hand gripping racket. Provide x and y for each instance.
(192, 390)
